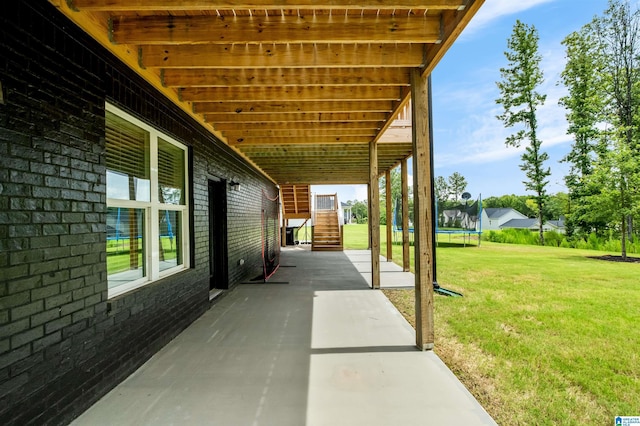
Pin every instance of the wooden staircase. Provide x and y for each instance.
(327, 232)
(296, 201)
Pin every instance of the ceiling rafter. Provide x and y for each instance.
(299, 106)
(299, 88)
(309, 140)
(279, 30)
(300, 134)
(198, 5)
(286, 125)
(303, 117)
(224, 77)
(281, 56)
(284, 94)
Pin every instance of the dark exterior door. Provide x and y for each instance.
(218, 267)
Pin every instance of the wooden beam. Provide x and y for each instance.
(312, 166)
(320, 177)
(456, 21)
(385, 158)
(374, 203)
(308, 77)
(369, 222)
(389, 212)
(200, 5)
(295, 118)
(396, 134)
(312, 28)
(279, 126)
(295, 199)
(316, 164)
(283, 240)
(285, 94)
(422, 210)
(406, 258)
(299, 106)
(277, 134)
(311, 140)
(127, 54)
(281, 56)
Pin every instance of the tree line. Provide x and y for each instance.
(602, 78)
(448, 192)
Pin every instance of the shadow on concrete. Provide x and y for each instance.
(318, 351)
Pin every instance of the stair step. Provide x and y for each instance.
(326, 248)
(326, 231)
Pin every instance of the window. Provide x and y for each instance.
(147, 211)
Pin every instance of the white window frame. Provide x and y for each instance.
(152, 209)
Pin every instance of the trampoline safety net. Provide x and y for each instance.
(459, 217)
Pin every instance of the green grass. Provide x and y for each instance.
(355, 237)
(543, 335)
(118, 254)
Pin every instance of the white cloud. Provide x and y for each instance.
(478, 137)
(361, 192)
(493, 10)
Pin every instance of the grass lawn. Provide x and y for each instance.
(118, 259)
(542, 335)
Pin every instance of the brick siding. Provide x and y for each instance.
(63, 343)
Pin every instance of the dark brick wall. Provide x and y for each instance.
(63, 344)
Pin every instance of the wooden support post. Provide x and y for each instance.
(374, 218)
(368, 217)
(404, 177)
(423, 209)
(389, 227)
(285, 222)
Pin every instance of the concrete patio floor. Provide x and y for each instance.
(313, 346)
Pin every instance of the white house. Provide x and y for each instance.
(494, 218)
(347, 213)
(530, 224)
(533, 225)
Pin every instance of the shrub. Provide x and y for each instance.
(581, 244)
(612, 245)
(511, 236)
(553, 238)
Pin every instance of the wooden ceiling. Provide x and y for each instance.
(299, 87)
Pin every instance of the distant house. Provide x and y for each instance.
(494, 218)
(533, 225)
(559, 224)
(347, 213)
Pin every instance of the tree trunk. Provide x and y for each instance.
(540, 229)
(540, 216)
(624, 238)
(623, 227)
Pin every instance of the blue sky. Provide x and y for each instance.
(467, 137)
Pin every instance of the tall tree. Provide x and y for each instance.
(360, 210)
(584, 104)
(520, 100)
(617, 34)
(441, 189)
(457, 185)
(613, 183)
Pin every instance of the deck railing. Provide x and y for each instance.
(327, 202)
